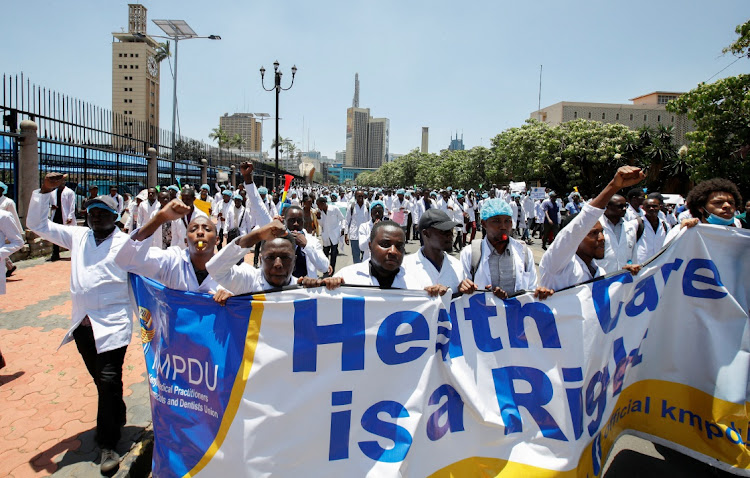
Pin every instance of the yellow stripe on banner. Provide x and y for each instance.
(482, 466)
(238, 389)
(679, 413)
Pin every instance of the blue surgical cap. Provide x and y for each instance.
(226, 192)
(174, 188)
(377, 203)
(400, 191)
(495, 207)
(205, 186)
(262, 190)
(485, 196)
(237, 196)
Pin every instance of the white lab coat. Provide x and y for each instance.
(223, 208)
(237, 279)
(8, 205)
(364, 239)
(179, 228)
(68, 200)
(425, 274)
(258, 209)
(241, 219)
(171, 266)
(314, 258)
(98, 286)
(331, 224)
(359, 274)
(118, 200)
(631, 213)
(523, 262)
(356, 215)
(397, 204)
(651, 241)
(145, 210)
(618, 251)
(10, 232)
(560, 266)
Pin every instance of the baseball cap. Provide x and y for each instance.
(105, 202)
(437, 219)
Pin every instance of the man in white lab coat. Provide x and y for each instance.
(570, 259)
(331, 224)
(63, 208)
(619, 236)
(101, 319)
(431, 265)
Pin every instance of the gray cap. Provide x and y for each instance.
(437, 219)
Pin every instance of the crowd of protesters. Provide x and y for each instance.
(191, 240)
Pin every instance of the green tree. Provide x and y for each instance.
(162, 52)
(721, 112)
(189, 150)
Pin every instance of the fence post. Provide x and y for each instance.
(28, 165)
(152, 177)
(233, 178)
(204, 171)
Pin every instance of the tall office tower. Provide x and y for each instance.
(356, 137)
(377, 142)
(245, 125)
(340, 157)
(355, 101)
(456, 144)
(425, 138)
(135, 84)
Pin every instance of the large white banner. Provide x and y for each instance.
(364, 382)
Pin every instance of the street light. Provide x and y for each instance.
(279, 89)
(177, 30)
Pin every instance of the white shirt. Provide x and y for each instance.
(650, 242)
(171, 266)
(631, 213)
(68, 200)
(145, 210)
(331, 224)
(359, 274)
(397, 205)
(528, 207)
(619, 250)
(560, 266)
(237, 279)
(523, 262)
(425, 274)
(118, 200)
(98, 286)
(241, 219)
(356, 215)
(10, 232)
(179, 228)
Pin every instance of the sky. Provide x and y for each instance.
(469, 67)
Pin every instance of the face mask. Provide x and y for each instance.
(719, 221)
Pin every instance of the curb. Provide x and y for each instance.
(137, 462)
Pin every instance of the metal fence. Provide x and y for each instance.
(96, 146)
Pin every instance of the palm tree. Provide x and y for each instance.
(162, 52)
(221, 137)
(237, 141)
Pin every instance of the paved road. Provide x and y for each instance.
(48, 401)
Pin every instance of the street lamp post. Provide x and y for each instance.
(177, 30)
(279, 89)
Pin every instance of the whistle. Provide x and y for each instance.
(504, 237)
(201, 244)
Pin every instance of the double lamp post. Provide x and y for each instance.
(279, 89)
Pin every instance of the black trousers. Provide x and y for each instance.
(221, 239)
(331, 252)
(549, 231)
(106, 370)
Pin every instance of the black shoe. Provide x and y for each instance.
(110, 461)
(10, 271)
(53, 259)
(544, 247)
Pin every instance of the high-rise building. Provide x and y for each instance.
(357, 120)
(135, 83)
(340, 157)
(245, 125)
(456, 144)
(425, 139)
(366, 137)
(377, 142)
(646, 110)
